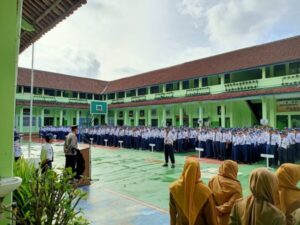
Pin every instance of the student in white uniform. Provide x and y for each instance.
(47, 155)
(169, 139)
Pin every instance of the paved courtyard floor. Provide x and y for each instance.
(130, 187)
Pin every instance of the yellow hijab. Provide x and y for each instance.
(263, 185)
(288, 176)
(189, 192)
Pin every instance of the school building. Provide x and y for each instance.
(234, 89)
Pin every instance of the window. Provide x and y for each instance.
(66, 94)
(142, 113)
(153, 112)
(74, 94)
(204, 82)
(131, 93)
(185, 84)
(46, 111)
(121, 94)
(96, 97)
(111, 96)
(19, 89)
(227, 78)
(37, 91)
(142, 91)
(169, 87)
(58, 93)
(121, 114)
(279, 70)
(294, 68)
(26, 89)
(130, 113)
(49, 92)
(196, 83)
(82, 95)
(154, 89)
(89, 96)
(26, 111)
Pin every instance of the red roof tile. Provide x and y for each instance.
(43, 79)
(222, 96)
(270, 53)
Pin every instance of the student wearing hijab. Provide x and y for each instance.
(226, 190)
(191, 201)
(259, 208)
(289, 194)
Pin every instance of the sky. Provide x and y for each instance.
(112, 39)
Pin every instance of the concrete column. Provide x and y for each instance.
(231, 114)
(125, 117)
(222, 76)
(42, 117)
(272, 112)
(190, 116)
(61, 116)
(149, 116)
(200, 111)
(21, 119)
(77, 117)
(289, 121)
(106, 118)
(10, 23)
(136, 117)
(163, 121)
(223, 115)
(264, 108)
(263, 72)
(115, 117)
(180, 115)
(287, 68)
(180, 85)
(164, 88)
(200, 82)
(43, 91)
(22, 89)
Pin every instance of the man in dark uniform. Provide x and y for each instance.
(70, 148)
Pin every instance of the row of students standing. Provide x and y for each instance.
(242, 145)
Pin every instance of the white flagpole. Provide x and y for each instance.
(31, 101)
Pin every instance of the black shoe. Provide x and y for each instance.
(173, 166)
(165, 165)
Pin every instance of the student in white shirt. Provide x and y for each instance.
(47, 155)
(169, 139)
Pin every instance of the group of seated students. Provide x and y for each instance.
(239, 144)
(274, 198)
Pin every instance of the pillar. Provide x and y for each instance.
(136, 119)
(222, 76)
(163, 121)
(10, 23)
(190, 117)
(231, 114)
(125, 117)
(164, 88)
(287, 68)
(180, 85)
(149, 117)
(272, 112)
(61, 117)
(263, 73)
(289, 121)
(21, 120)
(115, 117)
(42, 117)
(77, 117)
(200, 82)
(264, 108)
(223, 115)
(106, 118)
(180, 115)
(200, 114)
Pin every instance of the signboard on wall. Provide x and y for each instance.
(288, 105)
(98, 107)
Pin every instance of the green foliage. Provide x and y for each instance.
(46, 198)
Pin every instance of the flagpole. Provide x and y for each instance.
(31, 101)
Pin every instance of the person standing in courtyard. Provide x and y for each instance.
(70, 148)
(169, 139)
(47, 154)
(226, 190)
(191, 201)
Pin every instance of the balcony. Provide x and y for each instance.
(241, 86)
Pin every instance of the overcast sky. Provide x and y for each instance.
(111, 39)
